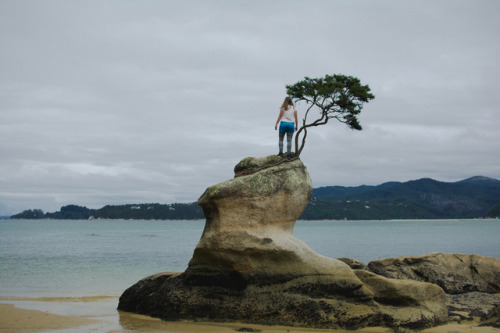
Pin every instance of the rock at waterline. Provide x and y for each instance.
(248, 266)
(469, 280)
(454, 272)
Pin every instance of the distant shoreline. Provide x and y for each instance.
(423, 199)
(300, 220)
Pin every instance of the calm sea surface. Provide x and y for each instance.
(103, 258)
(81, 267)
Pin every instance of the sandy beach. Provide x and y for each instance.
(15, 319)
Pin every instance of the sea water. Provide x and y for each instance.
(78, 258)
(72, 263)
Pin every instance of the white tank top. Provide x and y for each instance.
(288, 115)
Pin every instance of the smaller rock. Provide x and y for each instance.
(354, 264)
(401, 293)
(474, 305)
(455, 273)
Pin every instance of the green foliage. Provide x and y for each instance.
(73, 212)
(152, 211)
(336, 96)
(418, 199)
(325, 209)
(29, 214)
(494, 211)
(70, 212)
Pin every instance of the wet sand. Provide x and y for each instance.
(15, 320)
(138, 323)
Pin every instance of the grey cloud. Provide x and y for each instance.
(108, 102)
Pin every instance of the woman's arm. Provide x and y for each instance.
(279, 118)
(296, 121)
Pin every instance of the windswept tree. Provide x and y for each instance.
(336, 96)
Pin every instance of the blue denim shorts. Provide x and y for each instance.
(286, 127)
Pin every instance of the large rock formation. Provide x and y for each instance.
(249, 267)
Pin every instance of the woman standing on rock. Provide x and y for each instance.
(288, 118)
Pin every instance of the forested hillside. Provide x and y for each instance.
(418, 199)
(153, 211)
(475, 197)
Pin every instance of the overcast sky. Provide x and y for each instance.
(115, 102)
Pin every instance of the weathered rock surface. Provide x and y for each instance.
(250, 221)
(248, 266)
(455, 273)
(354, 263)
(474, 305)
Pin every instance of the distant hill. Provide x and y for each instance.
(149, 211)
(425, 198)
(156, 211)
(418, 199)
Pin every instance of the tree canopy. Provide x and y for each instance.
(336, 96)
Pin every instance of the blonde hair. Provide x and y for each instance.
(286, 103)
